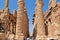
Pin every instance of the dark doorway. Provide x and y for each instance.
(46, 29)
(1, 28)
(51, 39)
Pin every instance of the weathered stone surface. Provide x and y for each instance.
(39, 21)
(51, 21)
(14, 26)
(22, 21)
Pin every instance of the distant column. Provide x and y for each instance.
(11, 27)
(19, 25)
(40, 21)
(6, 9)
(6, 3)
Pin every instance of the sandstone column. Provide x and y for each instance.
(11, 27)
(6, 12)
(6, 3)
(51, 28)
(19, 25)
(6, 9)
(40, 21)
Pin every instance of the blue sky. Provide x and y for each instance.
(30, 6)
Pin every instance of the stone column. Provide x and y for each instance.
(6, 3)
(19, 25)
(40, 21)
(6, 9)
(26, 28)
(11, 27)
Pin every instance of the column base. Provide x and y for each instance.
(41, 38)
(19, 38)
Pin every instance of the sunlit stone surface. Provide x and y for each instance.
(14, 26)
